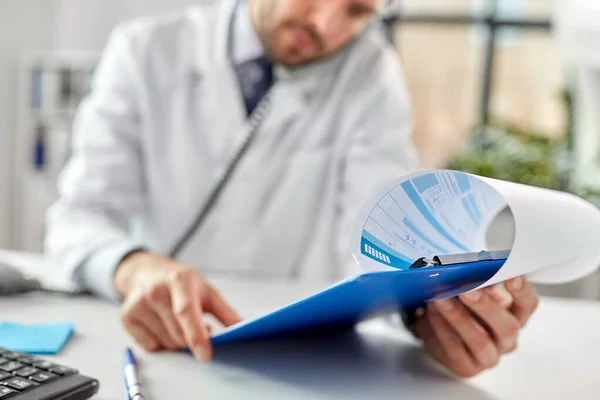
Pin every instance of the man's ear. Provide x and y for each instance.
(391, 6)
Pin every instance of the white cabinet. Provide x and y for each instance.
(24, 25)
(50, 35)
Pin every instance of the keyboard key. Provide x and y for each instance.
(3, 360)
(60, 370)
(18, 383)
(11, 355)
(6, 392)
(4, 375)
(27, 360)
(44, 365)
(11, 366)
(43, 377)
(27, 371)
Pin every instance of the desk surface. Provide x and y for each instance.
(558, 354)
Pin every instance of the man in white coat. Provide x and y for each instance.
(161, 126)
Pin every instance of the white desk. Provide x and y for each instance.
(558, 357)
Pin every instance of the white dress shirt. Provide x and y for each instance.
(246, 44)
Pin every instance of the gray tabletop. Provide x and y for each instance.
(557, 357)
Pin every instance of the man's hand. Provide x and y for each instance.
(165, 302)
(468, 334)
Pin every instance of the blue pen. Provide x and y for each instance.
(132, 382)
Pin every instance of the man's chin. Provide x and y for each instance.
(297, 61)
(290, 62)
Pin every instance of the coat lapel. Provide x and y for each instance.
(297, 86)
(218, 87)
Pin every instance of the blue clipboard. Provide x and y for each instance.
(367, 295)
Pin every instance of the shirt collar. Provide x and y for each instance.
(246, 45)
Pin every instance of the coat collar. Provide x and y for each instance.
(300, 82)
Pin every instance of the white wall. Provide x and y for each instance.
(85, 24)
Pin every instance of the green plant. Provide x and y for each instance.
(506, 153)
(512, 154)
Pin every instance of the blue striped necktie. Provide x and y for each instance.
(256, 77)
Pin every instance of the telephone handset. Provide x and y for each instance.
(252, 127)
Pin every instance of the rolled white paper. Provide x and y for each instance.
(437, 212)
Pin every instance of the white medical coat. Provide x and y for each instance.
(163, 118)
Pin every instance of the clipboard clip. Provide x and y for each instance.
(460, 258)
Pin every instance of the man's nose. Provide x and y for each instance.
(325, 18)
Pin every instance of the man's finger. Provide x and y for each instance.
(477, 340)
(186, 292)
(457, 356)
(153, 324)
(159, 299)
(525, 298)
(424, 331)
(141, 335)
(499, 294)
(135, 305)
(500, 321)
(217, 306)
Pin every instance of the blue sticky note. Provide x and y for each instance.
(35, 338)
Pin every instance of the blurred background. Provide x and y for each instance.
(501, 88)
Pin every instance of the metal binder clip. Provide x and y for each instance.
(422, 262)
(460, 258)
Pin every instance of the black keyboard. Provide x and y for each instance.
(23, 377)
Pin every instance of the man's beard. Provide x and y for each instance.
(266, 32)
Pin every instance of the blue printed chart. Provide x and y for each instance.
(428, 214)
(440, 212)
